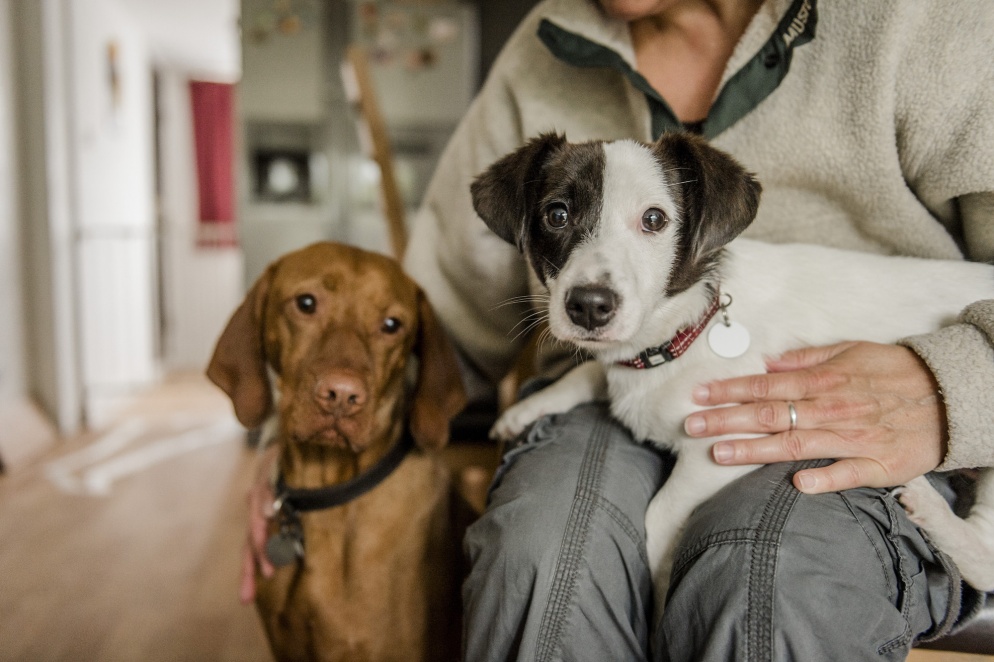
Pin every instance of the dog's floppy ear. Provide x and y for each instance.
(439, 393)
(504, 194)
(238, 366)
(719, 198)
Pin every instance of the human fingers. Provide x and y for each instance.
(259, 511)
(789, 446)
(843, 475)
(246, 590)
(785, 386)
(777, 416)
(792, 376)
(806, 357)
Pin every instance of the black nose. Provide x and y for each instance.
(591, 306)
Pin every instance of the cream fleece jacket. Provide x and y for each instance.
(879, 137)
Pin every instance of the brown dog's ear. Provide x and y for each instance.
(238, 366)
(439, 393)
(505, 192)
(718, 200)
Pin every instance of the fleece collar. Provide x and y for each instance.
(580, 35)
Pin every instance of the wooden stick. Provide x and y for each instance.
(377, 142)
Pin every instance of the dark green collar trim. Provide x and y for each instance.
(745, 90)
(581, 52)
(755, 81)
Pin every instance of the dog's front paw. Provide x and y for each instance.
(924, 505)
(969, 542)
(515, 419)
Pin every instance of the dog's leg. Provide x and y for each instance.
(694, 479)
(584, 383)
(969, 542)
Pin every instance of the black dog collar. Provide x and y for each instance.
(303, 500)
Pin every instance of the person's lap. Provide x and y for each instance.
(558, 566)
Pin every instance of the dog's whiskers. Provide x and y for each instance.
(528, 328)
(534, 316)
(527, 298)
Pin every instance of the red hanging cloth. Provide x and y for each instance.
(213, 132)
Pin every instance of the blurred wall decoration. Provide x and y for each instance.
(213, 131)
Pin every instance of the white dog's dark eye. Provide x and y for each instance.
(653, 220)
(556, 216)
(306, 303)
(391, 325)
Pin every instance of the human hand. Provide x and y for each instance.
(260, 510)
(873, 408)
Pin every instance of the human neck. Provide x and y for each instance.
(683, 50)
(692, 16)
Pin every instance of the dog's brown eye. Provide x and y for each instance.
(653, 220)
(556, 216)
(391, 325)
(307, 304)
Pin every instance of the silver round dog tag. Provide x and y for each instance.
(729, 340)
(284, 548)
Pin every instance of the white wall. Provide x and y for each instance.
(114, 204)
(46, 209)
(197, 37)
(25, 431)
(119, 315)
(13, 381)
(79, 322)
(202, 286)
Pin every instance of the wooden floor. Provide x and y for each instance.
(124, 545)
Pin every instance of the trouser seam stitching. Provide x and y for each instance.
(763, 564)
(574, 538)
(905, 580)
(627, 526)
(888, 585)
(728, 536)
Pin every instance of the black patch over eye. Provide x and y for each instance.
(556, 216)
(306, 303)
(653, 220)
(391, 325)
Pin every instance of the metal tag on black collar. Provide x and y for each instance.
(286, 546)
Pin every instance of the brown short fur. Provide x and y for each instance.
(380, 576)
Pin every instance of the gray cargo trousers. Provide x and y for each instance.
(559, 569)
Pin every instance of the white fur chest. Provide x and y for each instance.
(654, 402)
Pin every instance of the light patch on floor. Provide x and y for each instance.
(95, 468)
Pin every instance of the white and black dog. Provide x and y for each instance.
(634, 244)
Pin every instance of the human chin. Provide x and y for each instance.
(631, 10)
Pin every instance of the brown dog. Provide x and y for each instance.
(379, 575)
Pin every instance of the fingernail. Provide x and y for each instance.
(694, 425)
(722, 452)
(701, 393)
(806, 481)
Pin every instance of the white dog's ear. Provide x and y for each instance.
(506, 192)
(717, 197)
